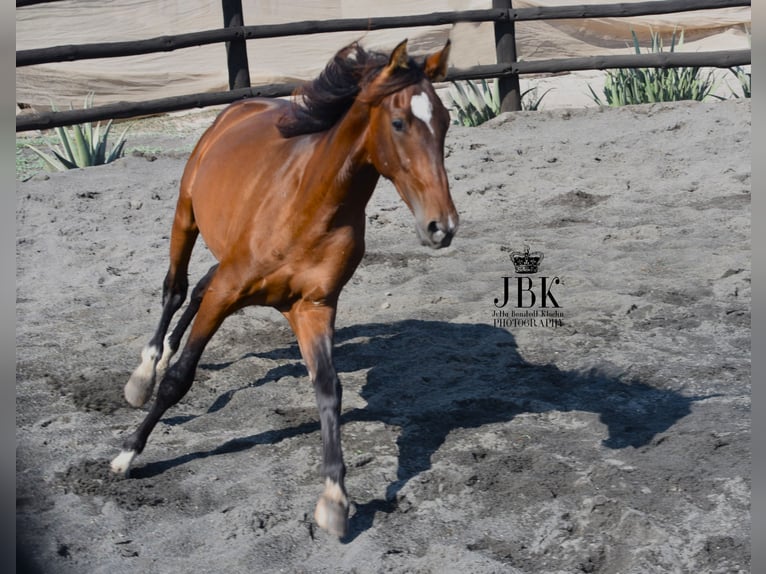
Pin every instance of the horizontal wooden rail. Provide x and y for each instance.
(67, 53)
(22, 3)
(622, 10)
(122, 110)
(170, 43)
(720, 59)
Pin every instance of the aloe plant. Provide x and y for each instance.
(82, 146)
(743, 75)
(532, 103)
(744, 78)
(476, 102)
(626, 86)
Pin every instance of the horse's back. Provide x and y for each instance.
(236, 170)
(241, 126)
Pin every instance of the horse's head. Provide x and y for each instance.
(405, 141)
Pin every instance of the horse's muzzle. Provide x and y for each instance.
(437, 234)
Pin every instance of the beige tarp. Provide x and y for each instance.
(203, 69)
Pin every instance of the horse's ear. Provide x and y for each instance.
(436, 64)
(398, 57)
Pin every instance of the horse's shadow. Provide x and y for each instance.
(431, 377)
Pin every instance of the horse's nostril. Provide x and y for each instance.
(438, 235)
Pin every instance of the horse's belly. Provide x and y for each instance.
(281, 273)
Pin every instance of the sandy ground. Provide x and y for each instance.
(614, 438)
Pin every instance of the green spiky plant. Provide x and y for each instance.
(627, 86)
(532, 103)
(83, 145)
(743, 75)
(474, 103)
(744, 78)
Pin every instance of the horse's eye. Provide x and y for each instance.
(398, 124)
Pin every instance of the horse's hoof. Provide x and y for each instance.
(138, 391)
(121, 463)
(139, 387)
(332, 516)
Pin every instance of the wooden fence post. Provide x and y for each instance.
(236, 50)
(505, 48)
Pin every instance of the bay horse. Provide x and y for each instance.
(278, 191)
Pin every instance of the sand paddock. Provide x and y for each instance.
(613, 439)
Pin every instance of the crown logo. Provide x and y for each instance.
(526, 262)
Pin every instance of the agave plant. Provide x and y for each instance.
(626, 86)
(82, 146)
(476, 102)
(744, 78)
(532, 103)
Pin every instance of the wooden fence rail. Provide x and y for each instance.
(21, 3)
(121, 110)
(502, 14)
(170, 43)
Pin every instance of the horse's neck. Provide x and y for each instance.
(343, 160)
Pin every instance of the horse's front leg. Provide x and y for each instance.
(313, 325)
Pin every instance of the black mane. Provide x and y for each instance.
(322, 102)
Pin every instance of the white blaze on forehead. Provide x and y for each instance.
(421, 107)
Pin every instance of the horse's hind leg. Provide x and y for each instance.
(184, 233)
(173, 341)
